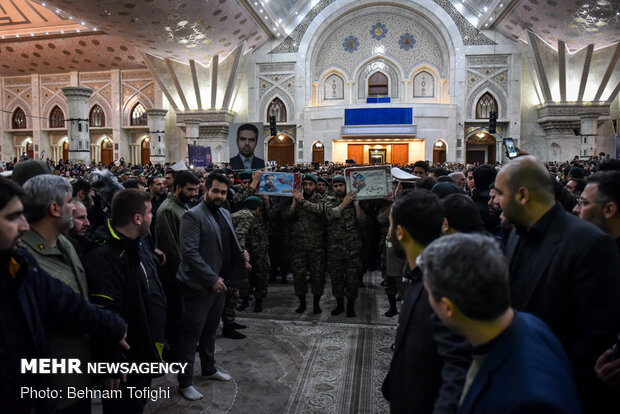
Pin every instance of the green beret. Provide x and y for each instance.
(245, 175)
(323, 180)
(339, 179)
(310, 177)
(252, 202)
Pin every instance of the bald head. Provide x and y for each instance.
(529, 172)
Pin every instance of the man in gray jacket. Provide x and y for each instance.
(211, 259)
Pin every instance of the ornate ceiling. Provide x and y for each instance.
(114, 30)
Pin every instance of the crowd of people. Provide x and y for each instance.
(505, 278)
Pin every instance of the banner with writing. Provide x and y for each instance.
(370, 182)
(199, 156)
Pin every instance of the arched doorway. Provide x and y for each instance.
(145, 151)
(281, 149)
(107, 151)
(318, 152)
(439, 152)
(480, 148)
(27, 148)
(65, 149)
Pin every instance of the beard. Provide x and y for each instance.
(214, 202)
(396, 247)
(65, 223)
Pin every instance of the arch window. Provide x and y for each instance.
(138, 115)
(277, 109)
(19, 119)
(333, 88)
(378, 84)
(486, 104)
(57, 118)
(96, 118)
(423, 85)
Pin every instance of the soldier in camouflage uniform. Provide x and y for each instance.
(321, 186)
(345, 219)
(253, 236)
(306, 242)
(248, 187)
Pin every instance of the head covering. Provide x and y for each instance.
(310, 177)
(442, 190)
(323, 180)
(339, 179)
(245, 175)
(24, 170)
(252, 202)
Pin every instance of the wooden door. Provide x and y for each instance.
(400, 153)
(107, 153)
(439, 155)
(475, 157)
(145, 150)
(65, 151)
(281, 149)
(355, 152)
(318, 153)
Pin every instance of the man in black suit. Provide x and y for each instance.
(563, 270)
(247, 138)
(429, 364)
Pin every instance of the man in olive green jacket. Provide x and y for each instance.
(169, 215)
(49, 211)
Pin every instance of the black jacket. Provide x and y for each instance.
(429, 365)
(117, 280)
(237, 164)
(50, 305)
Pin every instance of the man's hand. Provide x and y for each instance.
(298, 196)
(608, 370)
(161, 256)
(248, 267)
(123, 342)
(256, 175)
(113, 383)
(245, 255)
(219, 286)
(349, 197)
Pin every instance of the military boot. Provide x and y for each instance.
(258, 305)
(316, 309)
(302, 304)
(339, 307)
(351, 308)
(392, 311)
(245, 302)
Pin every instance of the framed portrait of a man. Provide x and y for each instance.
(246, 146)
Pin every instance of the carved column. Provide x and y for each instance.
(79, 138)
(157, 133)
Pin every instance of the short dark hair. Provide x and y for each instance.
(443, 178)
(462, 213)
(419, 212)
(133, 183)
(182, 178)
(80, 184)
(173, 172)
(426, 183)
(580, 184)
(421, 164)
(484, 176)
(216, 177)
(8, 190)
(608, 184)
(609, 165)
(577, 172)
(439, 171)
(127, 203)
(152, 179)
(471, 271)
(247, 127)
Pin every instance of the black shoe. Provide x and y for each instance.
(339, 307)
(258, 306)
(316, 309)
(244, 304)
(302, 304)
(228, 332)
(392, 311)
(351, 308)
(236, 325)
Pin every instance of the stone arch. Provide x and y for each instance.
(137, 97)
(18, 103)
(104, 105)
(141, 138)
(493, 89)
(440, 151)
(340, 79)
(414, 77)
(62, 139)
(369, 67)
(56, 100)
(286, 99)
(99, 140)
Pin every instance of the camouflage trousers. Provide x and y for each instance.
(230, 303)
(304, 261)
(344, 267)
(258, 281)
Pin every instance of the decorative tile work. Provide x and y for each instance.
(378, 31)
(416, 41)
(333, 88)
(502, 80)
(350, 44)
(423, 85)
(497, 93)
(275, 67)
(472, 79)
(470, 35)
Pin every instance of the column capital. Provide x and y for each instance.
(191, 122)
(156, 112)
(77, 92)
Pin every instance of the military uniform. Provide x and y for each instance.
(344, 248)
(306, 244)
